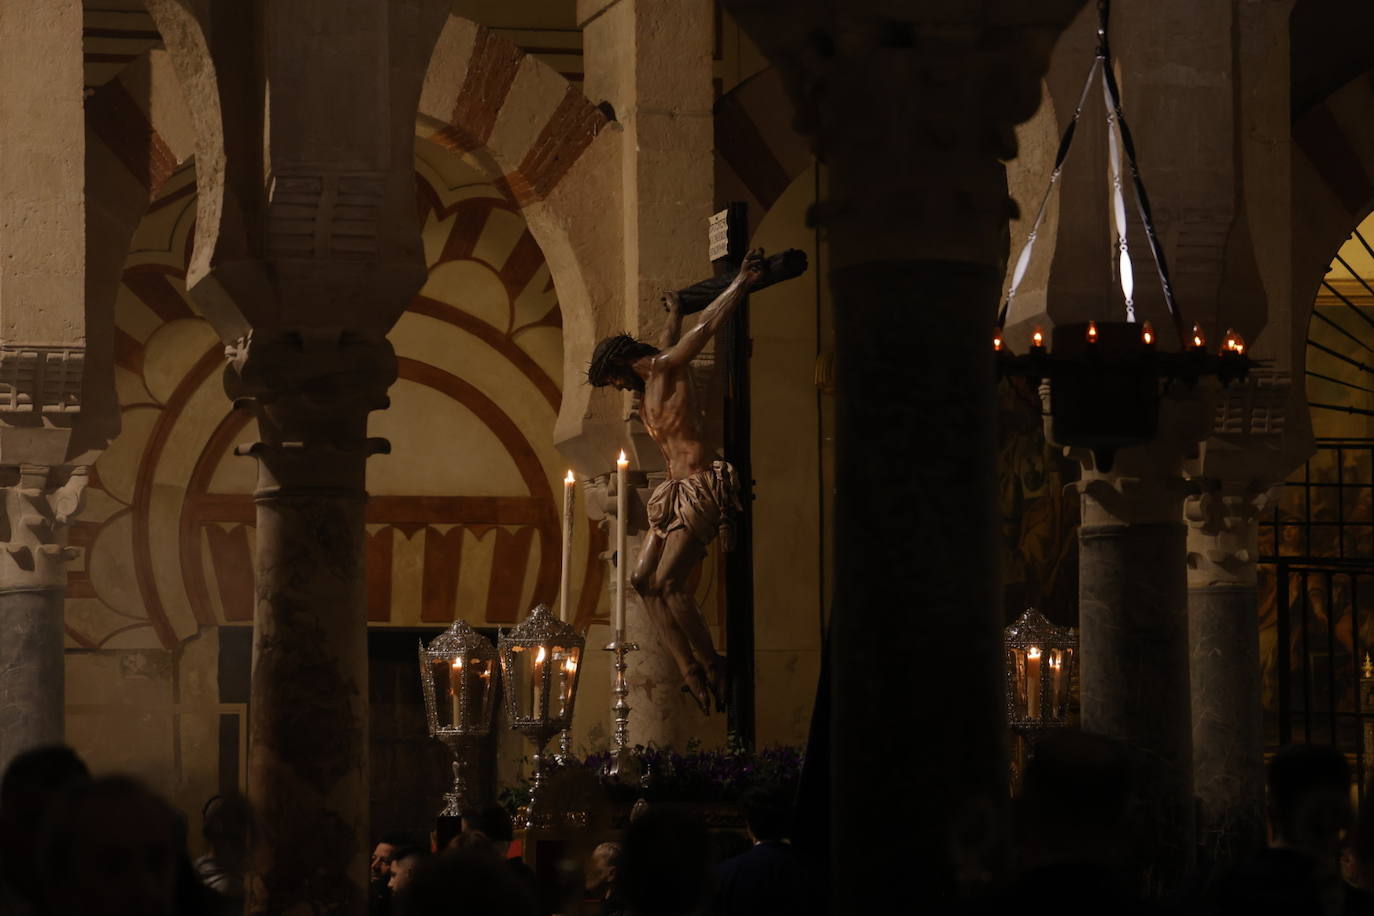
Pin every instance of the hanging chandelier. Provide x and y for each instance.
(1106, 378)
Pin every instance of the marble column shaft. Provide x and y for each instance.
(912, 119)
(918, 735)
(1228, 737)
(1133, 680)
(1133, 631)
(33, 580)
(307, 765)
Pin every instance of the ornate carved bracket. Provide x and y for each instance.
(39, 508)
(311, 392)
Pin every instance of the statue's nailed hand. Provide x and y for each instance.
(672, 303)
(754, 267)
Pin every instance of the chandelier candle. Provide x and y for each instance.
(622, 502)
(564, 612)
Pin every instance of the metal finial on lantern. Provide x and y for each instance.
(458, 674)
(540, 660)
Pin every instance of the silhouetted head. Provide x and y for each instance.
(387, 844)
(110, 848)
(465, 883)
(613, 363)
(665, 863)
(1073, 799)
(404, 861)
(767, 814)
(493, 821)
(227, 825)
(32, 783)
(602, 868)
(1309, 799)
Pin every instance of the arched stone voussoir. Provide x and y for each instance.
(514, 114)
(138, 133)
(1333, 192)
(556, 156)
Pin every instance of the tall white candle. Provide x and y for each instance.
(622, 552)
(1056, 682)
(565, 586)
(537, 700)
(1033, 683)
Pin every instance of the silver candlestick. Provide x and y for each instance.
(564, 747)
(620, 689)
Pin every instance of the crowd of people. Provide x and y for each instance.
(76, 845)
(666, 864)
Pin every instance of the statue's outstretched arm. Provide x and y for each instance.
(673, 303)
(714, 315)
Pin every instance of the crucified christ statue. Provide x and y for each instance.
(688, 509)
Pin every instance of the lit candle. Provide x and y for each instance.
(622, 503)
(1038, 339)
(564, 612)
(537, 694)
(1056, 682)
(997, 340)
(1198, 340)
(1148, 335)
(566, 671)
(1092, 332)
(1033, 682)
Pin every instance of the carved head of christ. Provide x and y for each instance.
(613, 363)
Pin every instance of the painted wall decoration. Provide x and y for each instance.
(1039, 512)
(462, 519)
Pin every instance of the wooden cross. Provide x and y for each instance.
(728, 235)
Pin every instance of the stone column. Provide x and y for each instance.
(1223, 632)
(1133, 630)
(307, 250)
(912, 117)
(33, 581)
(651, 61)
(42, 354)
(307, 762)
(1232, 480)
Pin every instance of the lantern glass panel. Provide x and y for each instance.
(1059, 670)
(457, 674)
(1020, 693)
(527, 680)
(566, 660)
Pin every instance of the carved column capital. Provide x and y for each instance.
(1221, 516)
(39, 507)
(311, 392)
(1146, 482)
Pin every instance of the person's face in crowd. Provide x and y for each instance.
(381, 861)
(123, 862)
(1320, 822)
(600, 873)
(401, 872)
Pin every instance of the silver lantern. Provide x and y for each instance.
(1040, 663)
(540, 661)
(458, 675)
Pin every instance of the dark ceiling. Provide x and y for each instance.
(1332, 44)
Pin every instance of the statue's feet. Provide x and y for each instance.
(695, 686)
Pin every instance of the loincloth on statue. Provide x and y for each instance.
(701, 503)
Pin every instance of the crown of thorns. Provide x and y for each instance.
(608, 353)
